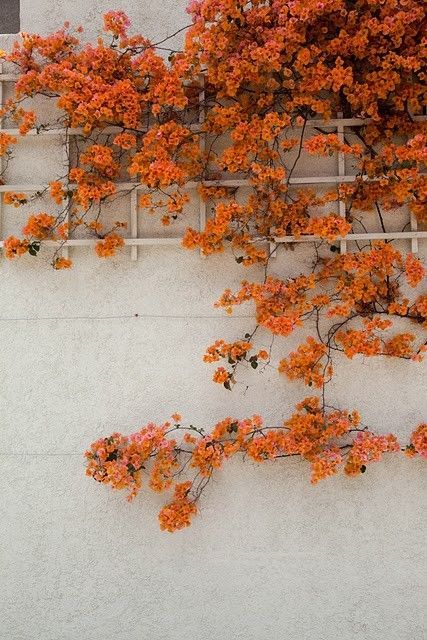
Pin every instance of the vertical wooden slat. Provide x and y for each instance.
(414, 227)
(134, 223)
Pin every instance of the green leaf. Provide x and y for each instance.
(254, 364)
(33, 248)
(233, 427)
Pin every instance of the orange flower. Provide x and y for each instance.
(414, 270)
(221, 375)
(62, 263)
(6, 140)
(125, 140)
(39, 226)
(13, 247)
(57, 191)
(16, 199)
(306, 363)
(178, 514)
(418, 442)
(108, 246)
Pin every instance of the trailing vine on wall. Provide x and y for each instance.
(266, 68)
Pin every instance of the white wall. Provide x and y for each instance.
(270, 556)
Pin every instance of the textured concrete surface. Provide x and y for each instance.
(270, 556)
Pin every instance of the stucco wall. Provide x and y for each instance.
(270, 556)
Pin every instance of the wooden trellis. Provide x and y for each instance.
(338, 126)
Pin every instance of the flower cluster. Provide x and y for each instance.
(234, 353)
(39, 226)
(306, 363)
(418, 444)
(178, 513)
(6, 141)
(15, 199)
(367, 448)
(109, 245)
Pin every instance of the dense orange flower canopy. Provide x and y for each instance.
(268, 68)
(252, 93)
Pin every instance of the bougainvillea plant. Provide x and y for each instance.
(260, 71)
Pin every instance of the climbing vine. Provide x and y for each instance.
(260, 72)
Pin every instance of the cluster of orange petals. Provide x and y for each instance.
(14, 247)
(366, 448)
(306, 363)
(62, 263)
(234, 353)
(15, 199)
(418, 444)
(177, 514)
(39, 226)
(109, 245)
(6, 142)
(57, 192)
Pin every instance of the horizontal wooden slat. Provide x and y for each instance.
(128, 186)
(89, 242)
(392, 235)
